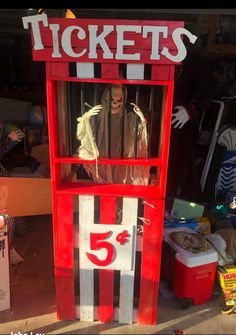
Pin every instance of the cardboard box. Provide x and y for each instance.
(227, 280)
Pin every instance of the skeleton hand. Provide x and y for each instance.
(180, 117)
(88, 148)
(93, 111)
(138, 111)
(16, 135)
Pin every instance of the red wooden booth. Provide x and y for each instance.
(104, 269)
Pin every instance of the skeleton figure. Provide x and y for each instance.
(115, 140)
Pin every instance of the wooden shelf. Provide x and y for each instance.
(116, 190)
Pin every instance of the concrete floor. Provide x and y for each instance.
(33, 299)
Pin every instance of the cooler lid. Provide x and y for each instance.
(186, 257)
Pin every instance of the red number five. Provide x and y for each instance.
(96, 243)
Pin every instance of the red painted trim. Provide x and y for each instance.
(110, 81)
(106, 161)
(119, 190)
(165, 130)
(150, 265)
(59, 69)
(160, 72)
(106, 277)
(100, 22)
(110, 71)
(172, 72)
(64, 267)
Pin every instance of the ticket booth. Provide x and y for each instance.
(108, 232)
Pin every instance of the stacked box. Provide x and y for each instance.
(227, 280)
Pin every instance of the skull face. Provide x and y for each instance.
(116, 99)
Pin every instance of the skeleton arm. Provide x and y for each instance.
(142, 133)
(138, 111)
(88, 148)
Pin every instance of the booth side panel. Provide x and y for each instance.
(64, 263)
(151, 258)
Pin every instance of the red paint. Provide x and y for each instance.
(59, 69)
(160, 72)
(150, 265)
(64, 266)
(119, 190)
(110, 71)
(97, 243)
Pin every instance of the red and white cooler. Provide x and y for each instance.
(193, 273)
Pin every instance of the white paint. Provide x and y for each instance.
(130, 212)
(121, 42)
(85, 70)
(135, 71)
(123, 253)
(182, 51)
(115, 314)
(34, 21)
(155, 31)
(54, 29)
(86, 217)
(66, 41)
(95, 39)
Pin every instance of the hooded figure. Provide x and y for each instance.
(112, 134)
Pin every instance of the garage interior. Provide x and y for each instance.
(32, 280)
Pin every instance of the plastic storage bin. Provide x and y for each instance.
(193, 274)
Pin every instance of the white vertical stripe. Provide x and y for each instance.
(86, 216)
(115, 317)
(130, 211)
(135, 71)
(85, 70)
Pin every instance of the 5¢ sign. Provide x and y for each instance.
(107, 246)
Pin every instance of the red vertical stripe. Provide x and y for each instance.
(165, 131)
(59, 69)
(64, 263)
(172, 72)
(55, 176)
(160, 72)
(110, 71)
(150, 266)
(106, 277)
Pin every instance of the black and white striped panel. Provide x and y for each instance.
(87, 70)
